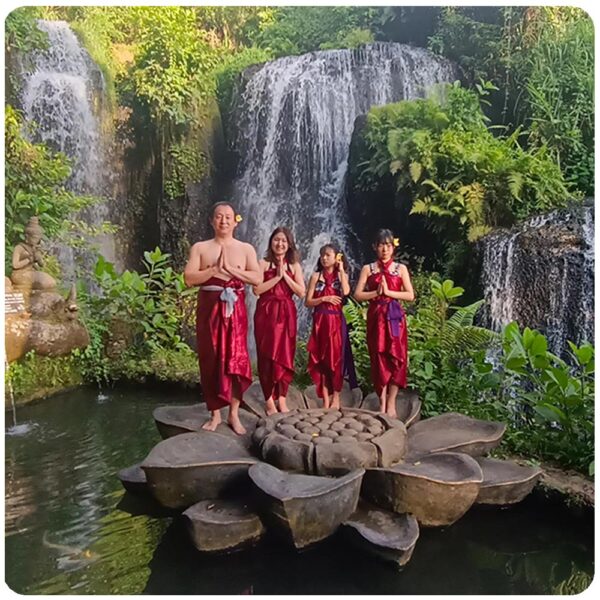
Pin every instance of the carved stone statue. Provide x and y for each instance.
(48, 323)
(27, 258)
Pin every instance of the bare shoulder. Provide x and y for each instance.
(314, 276)
(366, 269)
(402, 268)
(249, 248)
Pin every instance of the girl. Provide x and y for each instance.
(329, 354)
(275, 318)
(383, 283)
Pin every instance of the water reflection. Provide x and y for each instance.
(70, 527)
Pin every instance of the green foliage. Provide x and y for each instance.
(172, 61)
(228, 72)
(34, 376)
(152, 303)
(440, 151)
(35, 185)
(554, 400)
(296, 30)
(542, 59)
(301, 377)
(356, 317)
(559, 104)
(22, 33)
(187, 164)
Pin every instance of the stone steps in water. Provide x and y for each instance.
(304, 509)
(505, 482)
(386, 534)
(437, 489)
(453, 432)
(222, 525)
(190, 467)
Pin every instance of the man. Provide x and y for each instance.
(221, 267)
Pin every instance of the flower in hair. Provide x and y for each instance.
(396, 242)
(338, 257)
(238, 218)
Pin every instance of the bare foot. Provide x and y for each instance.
(236, 425)
(392, 414)
(212, 423)
(283, 407)
(335, 404)
(270, 407)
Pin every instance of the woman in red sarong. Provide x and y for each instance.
(383, 283)
(329, 354)
(275, 319)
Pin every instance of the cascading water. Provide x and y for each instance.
(58, 96)
(541, 274)
(294, 122)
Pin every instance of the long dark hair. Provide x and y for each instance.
(292, 255)
(383, 236)
(336, 251)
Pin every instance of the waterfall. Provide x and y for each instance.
(541, 274)
(294, 121)
(58, 97)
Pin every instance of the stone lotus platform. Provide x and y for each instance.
(302, 508)
(386, 534)
(453, 432)
(438, 489)
(411, 476)
(175, 420)
(330, 442)
(222, 525)
(505, 482)
(134, 479)
(408, 406)
(190, 467)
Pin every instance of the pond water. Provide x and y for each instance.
(72, 529)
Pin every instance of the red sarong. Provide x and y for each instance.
(222, 345)
(275, 325)
(387, 340)
(325, 348)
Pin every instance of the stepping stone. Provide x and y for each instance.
(222, 525)
(437, 489)
(190, 467)
(254, 399)
(175, 420)
(304, 509)
(505, 482)
(453, 432)
(408, 405)
(386, 534)
(349, 398)
(134, 479)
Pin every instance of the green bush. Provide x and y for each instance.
(442, 155)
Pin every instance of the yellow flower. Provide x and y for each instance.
(396, 242)
(238, 218)
(338, 257)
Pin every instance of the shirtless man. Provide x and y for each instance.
(221, 267)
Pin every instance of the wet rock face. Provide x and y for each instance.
(330, 442)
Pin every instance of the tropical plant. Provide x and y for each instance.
(441, 153)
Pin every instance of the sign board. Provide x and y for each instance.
(14, 303)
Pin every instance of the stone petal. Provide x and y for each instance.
(222, 525)
(437, 489)
(190, 467)
(305, 509)
(505, 482)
